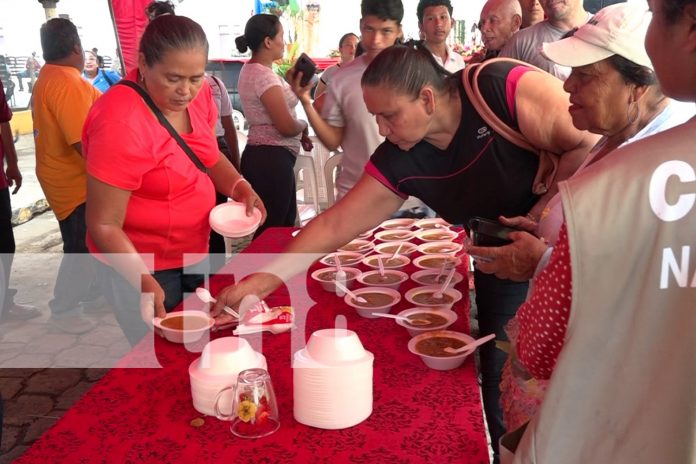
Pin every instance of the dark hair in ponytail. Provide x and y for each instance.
(407, 69)
(256, 30)
(158, 8)
(170, 32)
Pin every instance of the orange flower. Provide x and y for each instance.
(246, 410)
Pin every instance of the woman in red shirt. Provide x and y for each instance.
(147, 202)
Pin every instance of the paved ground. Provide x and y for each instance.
(37, 395)
(43, 370)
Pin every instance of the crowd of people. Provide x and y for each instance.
(597, 178)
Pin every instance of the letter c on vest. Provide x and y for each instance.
(658, 186)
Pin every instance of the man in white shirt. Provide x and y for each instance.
(562, 17)
(344, 119)
(435, 23)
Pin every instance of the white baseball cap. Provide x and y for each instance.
(618, 29)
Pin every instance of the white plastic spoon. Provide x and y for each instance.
(381, 266)
(403, 318)
(442, 270)
(471, 345)
(440, 293)
(341, 276)
(206, 297)
(396, 252)
(357, 298)
(252, 329)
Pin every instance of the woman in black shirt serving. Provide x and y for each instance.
(440, 150)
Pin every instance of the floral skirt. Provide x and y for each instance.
(520, 393)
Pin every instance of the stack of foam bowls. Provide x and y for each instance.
(217, 367)
(332, 379)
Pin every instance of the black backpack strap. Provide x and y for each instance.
(163, 120)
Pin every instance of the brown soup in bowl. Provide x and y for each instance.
(428, 298)
(433, 279)
(374, 300)
(441, 248)
(435, 346)
(330, 276)
(436, 262)
(355, 246)
(184, 323)
(386, 279)
(343, 259)
(388, 263)
(433, 320)
(392, 248)
(396, 236)
(436, 236)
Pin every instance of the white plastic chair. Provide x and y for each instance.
(307, 194)
(331, 169)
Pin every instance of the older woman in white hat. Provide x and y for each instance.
(613, 92)
(623, 388)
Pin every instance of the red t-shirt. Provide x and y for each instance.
(126, 147)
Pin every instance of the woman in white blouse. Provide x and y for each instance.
(275, 134)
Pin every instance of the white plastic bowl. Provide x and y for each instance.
(222, 355)
(394, 235)
(417, 296)
(392, 278)
(439, 248)
(201, 323)
(397, 262)
(358, 245)
(347, 258)
(436, 235)
(332, 346)
(399, 223)
(436, 261)
(414, 330)
(230, 220)
(367, 234)
(388, 248)
(432, 223)
(328, 285)
(427, 277)
(441, 363)
(365, 311)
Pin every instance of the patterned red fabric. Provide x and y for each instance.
(143, 415)
(543, 318)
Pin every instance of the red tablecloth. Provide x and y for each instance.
(144, 415)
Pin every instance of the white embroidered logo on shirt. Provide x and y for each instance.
(483, 132)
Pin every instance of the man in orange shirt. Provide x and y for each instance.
(62, 99)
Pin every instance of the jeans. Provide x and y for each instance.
(125, 300)
(497, 302)
(76, 279)
(26, 74)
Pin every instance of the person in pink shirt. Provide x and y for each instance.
(148, 202)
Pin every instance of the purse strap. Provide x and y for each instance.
(163, 120)
(548, 162)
